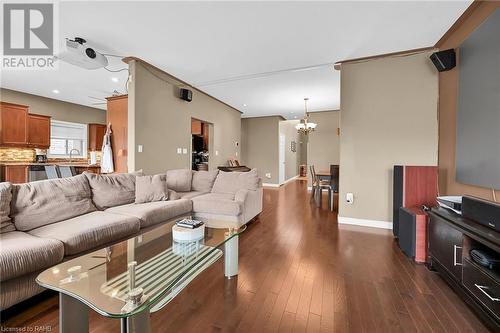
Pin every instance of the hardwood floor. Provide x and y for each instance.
(301, 272)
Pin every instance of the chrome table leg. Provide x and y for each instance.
(138, 323)
(73, 315)
(231, 257)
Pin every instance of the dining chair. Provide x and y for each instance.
(318, 186)
(67, 171)
(313, 182)
(51, 171)
(334, 184)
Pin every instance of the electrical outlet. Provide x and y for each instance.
(268, 175)
(349, 198)
(184, 151)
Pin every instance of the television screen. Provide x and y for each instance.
(478, 112)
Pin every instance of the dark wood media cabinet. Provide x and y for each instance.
(451, 237)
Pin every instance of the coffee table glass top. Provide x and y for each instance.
(144, 272)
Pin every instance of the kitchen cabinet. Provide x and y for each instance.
(13, 124)
(38, 131)
(196, 127)
(90, 168)
(96, 136)
(117, 116)
(16, 173)
(445, 245)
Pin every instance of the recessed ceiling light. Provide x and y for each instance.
(244, 105)
(295, 117)
(55, 91)
(114, 79)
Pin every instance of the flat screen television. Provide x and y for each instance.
(478, 111)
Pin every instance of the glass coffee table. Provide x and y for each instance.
(133, 278)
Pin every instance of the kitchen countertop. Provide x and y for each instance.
(75, 164)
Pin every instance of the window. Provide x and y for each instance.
(67, 137)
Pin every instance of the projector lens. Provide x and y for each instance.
(90, 53)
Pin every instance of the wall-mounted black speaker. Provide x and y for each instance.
(444, 60)
(186, 94)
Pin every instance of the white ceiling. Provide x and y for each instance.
(202, 42)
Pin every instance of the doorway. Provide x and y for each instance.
(200, 144)
(282, 165)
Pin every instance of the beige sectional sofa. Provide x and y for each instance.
(46, 222)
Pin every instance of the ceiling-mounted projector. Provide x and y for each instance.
(77, 53)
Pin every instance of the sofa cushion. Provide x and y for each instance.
(217, 203)
(231, 182)
(44, 202)
(189, 195)
(179, 180)
(113, 189)
(23, 253)
(151, 188)
(6, 224)
(89, 231)
(203, 181)
(151, 213)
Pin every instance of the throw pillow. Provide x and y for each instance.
(179, 180)
(151, 188)
(203, 181)
(115, 189)
(5, 196)
(231, 182)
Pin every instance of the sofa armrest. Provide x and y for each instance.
(241, 196)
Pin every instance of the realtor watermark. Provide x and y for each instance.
(29, 35)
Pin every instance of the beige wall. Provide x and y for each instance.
(323, 147)
(58, 110)
(260, 145)
(292, 159)
(388, 117)
(161, 122)
(448, 90)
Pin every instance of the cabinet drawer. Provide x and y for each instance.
(483, 287)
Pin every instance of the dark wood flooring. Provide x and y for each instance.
(301, 272)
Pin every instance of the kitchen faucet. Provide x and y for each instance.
(71, 154)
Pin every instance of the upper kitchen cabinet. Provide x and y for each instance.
(13, 124)
(96, 136)
(38, 131)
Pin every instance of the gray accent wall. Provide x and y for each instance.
(478, 116)
(323, 145)
(161, 122)
(388, 117)
(58, 110)
(260, 146)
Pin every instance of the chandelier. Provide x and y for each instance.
(304, 127)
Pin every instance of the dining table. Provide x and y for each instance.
(324, 175)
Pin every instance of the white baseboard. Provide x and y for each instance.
(290, 179)
(278, 185)
(365, 223)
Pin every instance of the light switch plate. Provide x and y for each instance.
(179, 151)
(139, 148)
(268, 175)
(184, 151)
(216, 153)
(349, 198)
